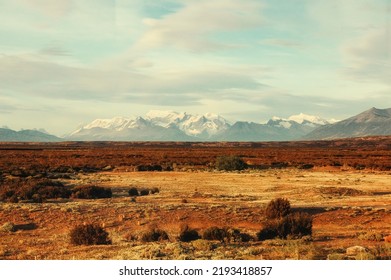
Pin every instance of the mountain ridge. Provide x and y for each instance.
(26, 135)
(188, 127)
(174, 126)
(368, 123)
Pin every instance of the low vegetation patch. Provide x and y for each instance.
(230, 163)
(292, 226)
(340, 191)
(134, 191)
(89, 234)
(187, 234)
(8, 227)
(33, 190)
(278, 208)
(225, 235)
(149, 167)
(91, 192)
(154, 234)
(371, 236)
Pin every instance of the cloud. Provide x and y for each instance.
(192, 27)
(25, 76)
(54, 50)
(281, 43)
(368, 57)
(51, 8)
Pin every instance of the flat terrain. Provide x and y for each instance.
(349, 201)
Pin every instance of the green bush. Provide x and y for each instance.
(278, 208)
(230, 163)
(89, 234)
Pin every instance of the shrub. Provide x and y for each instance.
(187, 234)
(8, 227)
(144, 192)
(234, 235)
(230, 163)
(269, 231)
(89, 234)
(225, 235)
(154, 234)
(35, 190)
(277, 208)
(295, 225)
(149, 167)
(91, 192)
(133, 191)
(154, 190)
(215, 233)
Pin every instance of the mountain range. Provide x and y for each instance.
(26, 135)
(173, 126)
(372, 122)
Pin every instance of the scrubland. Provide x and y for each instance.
(350, 204)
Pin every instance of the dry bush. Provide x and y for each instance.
(89, 234)
(230, 163)
(154, 190)
(91, 192)
(215, 233)
(8, 227)
(298, 224)
(32, 189)
(269, 230)
(295, 225)
(371, 236)
(340, 191)
(133, 191)
(149, 167)
(225, 235)
(187, 234)
(144, 192)
(278, 208)
(154, 234)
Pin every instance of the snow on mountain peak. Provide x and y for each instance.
(114, 123)
(302, 118)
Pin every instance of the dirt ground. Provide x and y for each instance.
(349, 208)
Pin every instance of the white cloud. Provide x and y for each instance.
(368, 57)
(35, 77)
(51, 8)
(277, 42)
(192, 27)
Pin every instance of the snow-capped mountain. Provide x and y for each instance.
(156, 125)
(203, 126)
(174, 126)
(303, 119)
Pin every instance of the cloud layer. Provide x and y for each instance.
(72, 61)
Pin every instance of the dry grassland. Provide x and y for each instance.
(349, 208)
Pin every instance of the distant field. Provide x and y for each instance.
(344, 187)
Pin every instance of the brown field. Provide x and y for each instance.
(344, 185)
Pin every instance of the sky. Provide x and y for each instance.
(64, 63)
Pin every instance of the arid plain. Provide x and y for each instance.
(344, 185)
